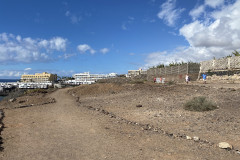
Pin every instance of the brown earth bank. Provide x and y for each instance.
(123, 121)
(26, 98)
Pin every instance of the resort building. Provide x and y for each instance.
(39, 77)
(133, 73)
(87, 77)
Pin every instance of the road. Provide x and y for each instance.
(63, 131)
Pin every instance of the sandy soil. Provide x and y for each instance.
(101, 121)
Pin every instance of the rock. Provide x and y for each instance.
(196, 139)
(139, 105)
(225, 145)
(188, 137)
(155, 130)
(21, 101)
(12, 99)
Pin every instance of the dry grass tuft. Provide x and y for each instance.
(200, 104)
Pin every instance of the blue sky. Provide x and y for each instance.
(104, 36)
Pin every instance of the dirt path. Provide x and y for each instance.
(63, 130)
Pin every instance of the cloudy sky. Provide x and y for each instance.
(104, 36)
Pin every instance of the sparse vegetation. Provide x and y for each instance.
(37, 90)
(160, 66)
(177, 63)
(171, 82)
(138, 81)
(235, 53)
(200, 104)
(174, 64)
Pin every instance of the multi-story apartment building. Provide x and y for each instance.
(87, 77)
(133, 73)
(39, 77)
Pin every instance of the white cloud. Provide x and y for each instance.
(10, 73)
(19, 38)
(223, 32)
(27, 69)
(131, 18)
(67, 13)
(131, 54)
(169, 13)
(58, 43)
(104, 50)
(66, 56)
(214, 3)
(207, 39)
(124, 27)
(92, 51)
(73, 17)
(14, 49)
(197, 12)
(126, 24)
(83, 48)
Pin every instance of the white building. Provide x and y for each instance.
(133, 73)
(87, 78)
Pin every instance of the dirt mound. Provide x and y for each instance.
(96, 89)
(26, 98)
(162, 106)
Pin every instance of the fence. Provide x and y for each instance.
(223, 64)
(174, 73)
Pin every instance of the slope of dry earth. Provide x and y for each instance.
(75, 130)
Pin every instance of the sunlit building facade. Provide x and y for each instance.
(86, 76)
(39, 77)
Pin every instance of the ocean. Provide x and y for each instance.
(7, 80)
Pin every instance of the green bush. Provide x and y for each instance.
(200, 104)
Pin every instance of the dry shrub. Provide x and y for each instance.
(171, 82)
(137, 82)
(34, 91)
(200, 104)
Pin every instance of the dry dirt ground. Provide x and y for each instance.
(101, 121)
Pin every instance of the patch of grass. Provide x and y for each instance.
(200, 104)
